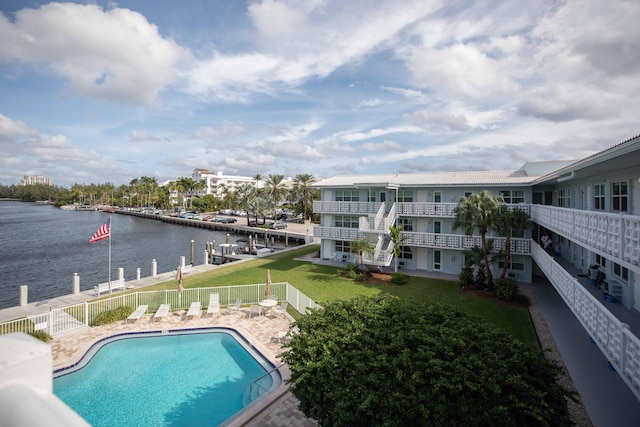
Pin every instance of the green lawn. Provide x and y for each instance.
(324, 283)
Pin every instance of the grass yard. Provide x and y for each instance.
(324, 283)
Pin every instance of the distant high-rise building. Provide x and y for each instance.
(36, 179)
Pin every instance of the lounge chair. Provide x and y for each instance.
(214, 304)
(138, 313)
(235, 307)
(255, 310)
(162, 312)
(282, 309)
(194, 309)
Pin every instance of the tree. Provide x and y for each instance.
(243, 195)
(304, 192)
(383, 361)
(479, 211)
(508, 223)
(398, 241)
(362, 247)
(275, 189)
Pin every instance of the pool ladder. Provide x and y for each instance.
(257, 387)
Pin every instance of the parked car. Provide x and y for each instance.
(228, 220)
(277, 225)
(254, 223)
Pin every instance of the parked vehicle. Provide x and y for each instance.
(228, 220)
(277, 225)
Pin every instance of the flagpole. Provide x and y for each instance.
(110, 227)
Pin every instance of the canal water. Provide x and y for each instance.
(43, 246)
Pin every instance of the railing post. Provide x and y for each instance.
(86, 313)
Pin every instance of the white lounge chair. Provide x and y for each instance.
(194, 309)
(162, 312)
(214, 304)
(138, 313)
(282, 309)
(235, 307)
(255, 310)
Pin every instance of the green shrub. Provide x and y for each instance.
(351, 274)
(360, 277)
(41, 335)
(110, 316)
(506, 289)
(466, 277)
(398, 278)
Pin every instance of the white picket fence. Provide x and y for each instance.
(81, 315)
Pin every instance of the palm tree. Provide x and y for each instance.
(479, 211)
(275, 189)
(398, 241)
(257, 177)
(302, 188)
(243, 195)
(508, 222)
(361, 247)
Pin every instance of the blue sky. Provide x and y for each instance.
(94, 92)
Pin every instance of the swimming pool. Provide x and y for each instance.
(184, 377)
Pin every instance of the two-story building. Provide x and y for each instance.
(590, 208)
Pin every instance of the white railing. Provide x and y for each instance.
(76, 316)
(358, 208)
(617, 235)
(613, 337)
(390, 219)
(427, 209)
(337, 233)
(519, 246)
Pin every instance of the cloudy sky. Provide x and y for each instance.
(106, 91)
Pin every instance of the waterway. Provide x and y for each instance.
(42, 246)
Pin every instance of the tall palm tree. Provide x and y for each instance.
(508, 222)
(243, 195)
(398, 241)
(258, 177)
(275, 189)
(479, 211)
(302, 188)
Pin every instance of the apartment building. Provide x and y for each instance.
(590, 208)
(215, 183)
(36, 179)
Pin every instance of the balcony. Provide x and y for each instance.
(615, 235)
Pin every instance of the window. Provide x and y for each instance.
(564, 199)
(347, 196)
(406, 253)
(598, 197)
(406, 224)
(371, 197)
(342, 246)
(347, 221)
(467, 193)
(405, 196)
(437, 263)
(437, 227)
(619, 196)
(512, 196)
(601, 261)
(437, 196)
(516, 263)
(620, 272)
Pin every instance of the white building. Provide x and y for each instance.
(216, 182)
(590, 207)
(36, 179)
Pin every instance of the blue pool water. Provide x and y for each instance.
(190, 378)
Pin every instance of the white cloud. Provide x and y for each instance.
(111, 54)
(437, 121)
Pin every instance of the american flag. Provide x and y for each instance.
(104, 232)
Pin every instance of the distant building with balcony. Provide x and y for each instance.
(215, 183)
(36, 179)
(589, 207)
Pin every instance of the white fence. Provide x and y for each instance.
(615, 340)
(81, 315)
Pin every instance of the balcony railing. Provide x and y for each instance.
(616, 235)
(354, 208)
(615, 340)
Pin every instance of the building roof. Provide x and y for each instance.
(527, 174)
